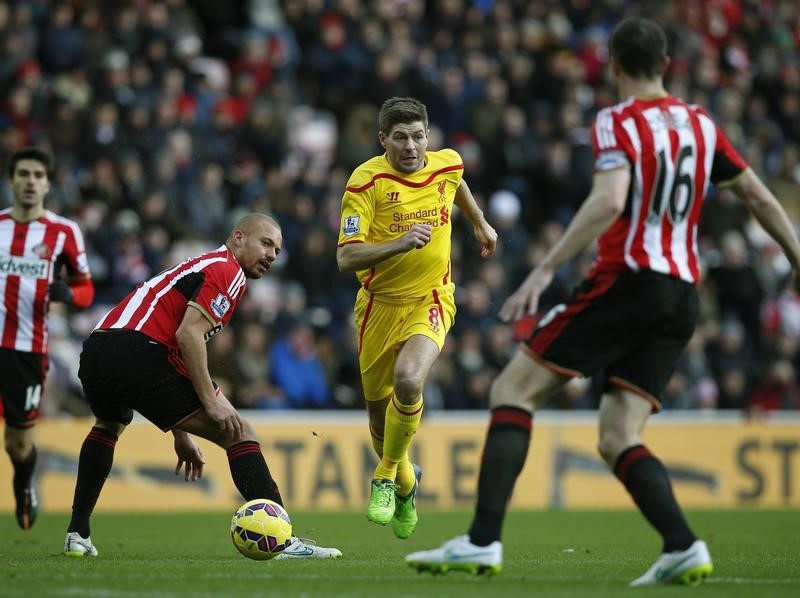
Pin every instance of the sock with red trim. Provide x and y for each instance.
(250, 472)
(402, 422)
(647, 481)
(94, 465)
(504, 454)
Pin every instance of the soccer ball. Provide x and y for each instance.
(261, 529)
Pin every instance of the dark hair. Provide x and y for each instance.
(639, 46)
(30, 153)
(401, 110)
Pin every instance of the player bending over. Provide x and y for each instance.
(149, 354)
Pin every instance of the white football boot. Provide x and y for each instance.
(303, 548)
(77, 546)
(459, 554)
(690, 567)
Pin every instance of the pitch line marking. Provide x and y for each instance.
(755, 580)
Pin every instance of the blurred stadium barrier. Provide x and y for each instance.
(324, 460)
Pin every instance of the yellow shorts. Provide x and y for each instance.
(383, 324)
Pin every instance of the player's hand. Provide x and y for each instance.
(225, 416)
(525, 300)
(487, 237)
(60, 292)
(189, 457)
(417, 237)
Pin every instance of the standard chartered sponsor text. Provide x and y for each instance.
(403, 221)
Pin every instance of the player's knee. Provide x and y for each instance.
(610, 446)
(18, 442)
(502, 394)
(248, 433)
(227, 439)
(17, 447)
(497, 394)
(114, 428)
(408, 386)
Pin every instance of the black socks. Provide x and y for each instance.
(250, 472)
(647, 481)
(96, 459)
(504, 454)
(23, 472)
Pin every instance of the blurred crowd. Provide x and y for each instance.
(168, 119)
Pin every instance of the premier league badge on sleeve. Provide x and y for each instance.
(350, 226)
(220, 305)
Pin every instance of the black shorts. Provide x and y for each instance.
(124, 370)
(21, 385)
(632, 325)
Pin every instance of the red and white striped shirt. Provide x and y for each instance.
(674, 150)
(30, 255)
(212, 282)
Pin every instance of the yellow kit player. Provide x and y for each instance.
(395, 234)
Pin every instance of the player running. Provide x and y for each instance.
(395, 234)
(35, 246)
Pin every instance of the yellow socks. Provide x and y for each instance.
(405, 478)
(402, 422)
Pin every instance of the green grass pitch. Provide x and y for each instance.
(564, 554)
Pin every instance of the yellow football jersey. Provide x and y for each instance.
(381, 204)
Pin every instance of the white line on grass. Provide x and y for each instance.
(755, 580)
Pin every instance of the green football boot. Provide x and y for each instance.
(381, 505)
(405, 511)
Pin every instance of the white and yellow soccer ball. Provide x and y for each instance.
(261, 529)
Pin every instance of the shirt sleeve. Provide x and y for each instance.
(219, 293)
(358, 209)
(74, 254)
(453, 158)
(728, 163)
(610, 143)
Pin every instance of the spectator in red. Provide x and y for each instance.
(777, 390)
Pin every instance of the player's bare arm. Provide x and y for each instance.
(602, 207)
(484, 232)
(189, 455)
(771, 215)
(191, 340)
(359, 256)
